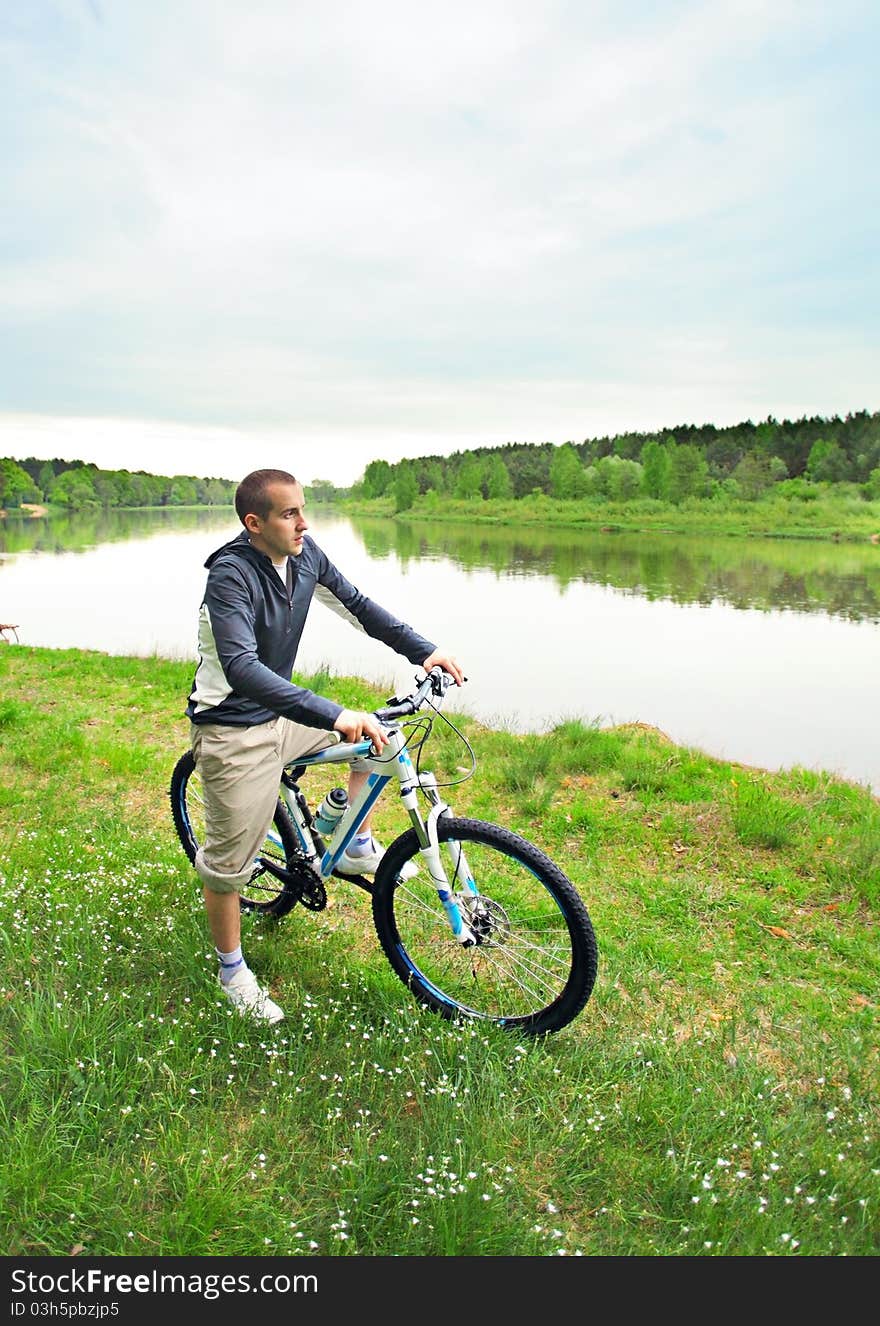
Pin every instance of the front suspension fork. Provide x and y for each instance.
(430, 853)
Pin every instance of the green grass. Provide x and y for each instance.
(835, 512)
(718, 1096)
(762, 818)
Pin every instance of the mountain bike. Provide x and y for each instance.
(476, 921)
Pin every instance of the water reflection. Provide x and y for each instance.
(842, 580)
(77, 531)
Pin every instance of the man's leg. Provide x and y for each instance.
(224, 919)
(240, 770)
(356, 780)
(363, 854)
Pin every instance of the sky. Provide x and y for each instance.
(310, 235)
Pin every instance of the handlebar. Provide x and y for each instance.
(437, 681)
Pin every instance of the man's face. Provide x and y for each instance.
(281, 533)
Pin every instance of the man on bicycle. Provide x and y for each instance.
(248, 719)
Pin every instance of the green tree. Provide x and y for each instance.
(614, 477)
(218, 493)
(405, 490)
(73, 488)
(604, 474)
(766, 435)
(377, 479)
(498, 482)
(593, 486)
(625, 479)
(567, 473)
(182, 491)
(140, 491)
(688, 472)
(469, 481)
(432, 477)
(109, 487)
(322, 490)
(656, 470)
(753, 475)
(16, 485)
(529, 468)
(45, 477)
(827, 462)
(627, 446)
(871, 486)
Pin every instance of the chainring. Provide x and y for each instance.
(307, 887)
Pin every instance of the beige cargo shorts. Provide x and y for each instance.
(240, 769)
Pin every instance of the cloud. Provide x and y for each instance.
(466, 222)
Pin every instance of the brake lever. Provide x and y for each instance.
(442, 681)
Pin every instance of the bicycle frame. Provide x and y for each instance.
(394, 761)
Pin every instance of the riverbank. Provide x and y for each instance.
(718, 1095)
(817, 515)
(820, 512)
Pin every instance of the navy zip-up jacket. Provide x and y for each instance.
(250, 629)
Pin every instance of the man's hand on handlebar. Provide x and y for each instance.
(355, 725)
(440, 659)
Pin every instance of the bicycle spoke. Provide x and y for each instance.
(531, 979)
(521, 961)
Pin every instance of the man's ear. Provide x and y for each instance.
(253, 524)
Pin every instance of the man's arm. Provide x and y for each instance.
(341, 596)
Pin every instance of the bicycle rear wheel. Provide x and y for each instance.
(264, 893)
(534, 964)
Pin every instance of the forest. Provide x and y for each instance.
(77, 485)
(743, 461)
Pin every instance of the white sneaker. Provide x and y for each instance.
(368, 863)
(250, 998)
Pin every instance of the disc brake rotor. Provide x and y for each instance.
(487, 918)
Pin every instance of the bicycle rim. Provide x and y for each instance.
(534, 963)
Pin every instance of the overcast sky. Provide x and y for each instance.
(311, 233)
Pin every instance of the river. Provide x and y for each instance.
(765, 652)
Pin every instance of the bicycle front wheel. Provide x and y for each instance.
(264, 893)
(533, 965)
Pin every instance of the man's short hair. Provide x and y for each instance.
(252, 494)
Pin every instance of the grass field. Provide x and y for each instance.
(836, 512)
(718, 1095)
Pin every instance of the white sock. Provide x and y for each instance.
(230, 963)
(361, 845)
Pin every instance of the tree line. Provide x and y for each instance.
(743, 460)
(75, 484)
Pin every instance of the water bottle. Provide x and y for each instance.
(331, 808)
